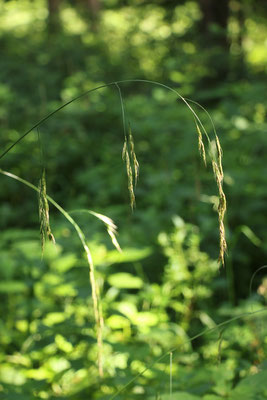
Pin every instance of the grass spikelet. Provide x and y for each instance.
(45, 230)
(216, 159)
(128, 154)
(124, 150)
(133, 157)
(216, 152)
(201, 146)
(220, 154)
(110, 225)
(129, 171)
(111, 228)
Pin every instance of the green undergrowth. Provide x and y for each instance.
(49, 323)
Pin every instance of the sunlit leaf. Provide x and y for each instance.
(124, 280)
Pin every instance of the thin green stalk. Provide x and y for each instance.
(115, 83)
(122, 110)
(94, 285)
(50, 115)
(253, 276)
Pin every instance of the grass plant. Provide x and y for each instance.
(132, 170)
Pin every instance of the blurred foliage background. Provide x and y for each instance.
(165, 286)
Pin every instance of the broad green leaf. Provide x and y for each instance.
(118, 322)
(146, 318)
(127, 255)
(64, 263)
(124, 280)
(54, 318)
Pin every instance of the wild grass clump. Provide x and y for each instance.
(132, 171)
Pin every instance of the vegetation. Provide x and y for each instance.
(156, 316)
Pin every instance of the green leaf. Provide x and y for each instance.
(54, 318)
(124, 280)
(128, 255)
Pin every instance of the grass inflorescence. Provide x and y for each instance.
(132, 165)
(218, 173)
(45, 229)
(128, 154)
